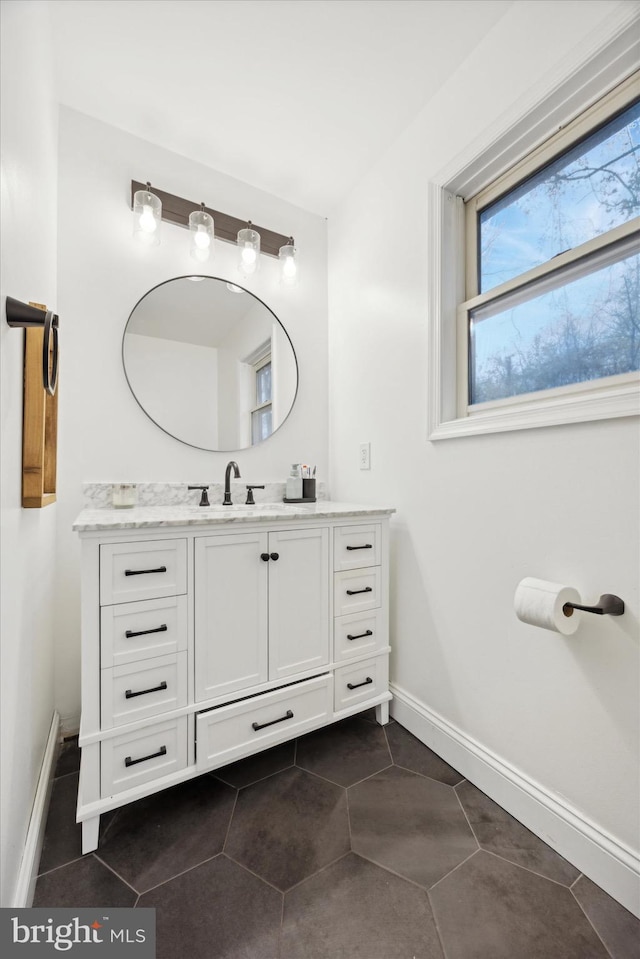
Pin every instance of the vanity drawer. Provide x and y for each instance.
(133, 631)
(134, 758)
(229, 732)
(145, 570)
(361, 681)
(356, 590)
(357, 546)
(358, 634)
(139, 690)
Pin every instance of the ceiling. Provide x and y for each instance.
(296, 97)
(203, 313)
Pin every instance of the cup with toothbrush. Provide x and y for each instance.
(308, 483)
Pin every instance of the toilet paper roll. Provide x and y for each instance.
(540, 603)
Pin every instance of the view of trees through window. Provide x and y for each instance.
(586, 323)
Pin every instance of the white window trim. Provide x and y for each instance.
(550, 107)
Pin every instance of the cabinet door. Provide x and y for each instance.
(298, 601)
(230, 613)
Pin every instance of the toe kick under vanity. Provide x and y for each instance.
(212, 634)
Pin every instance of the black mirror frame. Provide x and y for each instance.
(221, 279)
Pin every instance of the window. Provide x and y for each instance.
(553, 263)
(262, 412)
(534, 265)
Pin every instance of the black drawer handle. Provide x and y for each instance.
(257, 726)
(155, 689)
(275, 556)
(264, 557)
(367, 682)
(367, 546)
(131, 762)
(140, 572)
(369, 632)
(145, 632)
(354, 592)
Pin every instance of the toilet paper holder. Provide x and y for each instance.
(608, 605)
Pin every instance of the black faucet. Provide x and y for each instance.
(204, 499)
(231, 465)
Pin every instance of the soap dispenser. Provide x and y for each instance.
(294, 483)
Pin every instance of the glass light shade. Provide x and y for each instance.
(249, 251)
(288, 264)
(202, 233)
(147, 217)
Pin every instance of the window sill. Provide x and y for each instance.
(574, 404)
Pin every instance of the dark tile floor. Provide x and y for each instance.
(354, 842)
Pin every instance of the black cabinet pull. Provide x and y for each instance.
(367, 682)
(131, 762)
(140, 572)
(368, 632)
(257, 726)
(145, 632)
(275, 556)
(264, 557)
(155, 689)
(354, 592)
(366, 546)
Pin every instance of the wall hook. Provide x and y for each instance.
(21, 314)
(608, 605)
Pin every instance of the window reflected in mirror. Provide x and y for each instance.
(262, 413)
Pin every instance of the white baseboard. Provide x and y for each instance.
(597, 854)
(25, 887)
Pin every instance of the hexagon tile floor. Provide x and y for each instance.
(353, 842)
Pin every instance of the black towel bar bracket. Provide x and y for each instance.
(607, 605)
(25, 315)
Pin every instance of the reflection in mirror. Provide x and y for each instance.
(210, 363)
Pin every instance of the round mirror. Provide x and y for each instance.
(210, 363)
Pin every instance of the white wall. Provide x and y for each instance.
(28, 272)
(283, 380)
(477, 514)
(177, 385)
(104, 435)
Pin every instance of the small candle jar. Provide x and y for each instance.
(124, 495)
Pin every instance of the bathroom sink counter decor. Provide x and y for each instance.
(210, 633)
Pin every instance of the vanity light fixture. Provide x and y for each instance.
(251, 240)
(288, 263)
(147, 216)
(249, 249)
(202, 232)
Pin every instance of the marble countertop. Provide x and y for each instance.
(140, 517)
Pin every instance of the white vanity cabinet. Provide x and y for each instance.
(261, 610)
(205, 639)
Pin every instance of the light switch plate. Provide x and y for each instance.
(365, 456)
